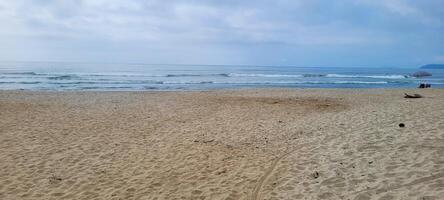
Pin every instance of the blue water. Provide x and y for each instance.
(101, 76)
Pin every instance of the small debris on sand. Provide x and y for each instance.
(315, 175)
(54, 179)
(208, 141)
(414, 96)
(221, 172)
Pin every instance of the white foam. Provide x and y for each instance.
(367, 76)
(265, 75)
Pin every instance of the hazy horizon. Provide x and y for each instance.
(364, 33)
(98, 63)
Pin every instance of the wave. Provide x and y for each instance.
(317, 75)
(29, 82)
(153, 82)
(436, 83)
(359, 82)
(187, 82)
(20, 82)
(314, 75)
(192, 75)
(20, 73)
(106, 82)
(76, 83)
(278, 82)
(368, 76)
(265, 75)
(78, 76)
(150, 88)
(63, 77)
(97, 88)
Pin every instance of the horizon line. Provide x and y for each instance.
(209, 65)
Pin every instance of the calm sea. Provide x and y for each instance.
(100, 76)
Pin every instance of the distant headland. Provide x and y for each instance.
(433, 66)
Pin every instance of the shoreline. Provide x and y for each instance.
(286, 143)
(220, 89)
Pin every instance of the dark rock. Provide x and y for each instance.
(424, 85)
(420, 74)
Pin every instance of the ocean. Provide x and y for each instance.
(64, 76)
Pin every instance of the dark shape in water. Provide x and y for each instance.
(150, 88)
(313, 75)
(420, 74)
(63, 77)
(401, 125)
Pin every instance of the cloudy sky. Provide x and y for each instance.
(370, 33)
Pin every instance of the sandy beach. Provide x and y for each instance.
(223, 144)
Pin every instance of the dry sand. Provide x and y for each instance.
(241, 144)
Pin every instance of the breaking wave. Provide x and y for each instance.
(276, 82)
(368, 76)
(64, 77)
(265, 75)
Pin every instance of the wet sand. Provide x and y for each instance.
(227, 144)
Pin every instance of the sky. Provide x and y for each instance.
(308, 33)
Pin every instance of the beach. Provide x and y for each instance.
(222, 144)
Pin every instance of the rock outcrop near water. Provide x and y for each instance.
(419, 74)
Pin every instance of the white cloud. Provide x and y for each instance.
(409, 9)
(219, 26)
(155, 21)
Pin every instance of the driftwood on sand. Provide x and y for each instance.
(412, 96)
